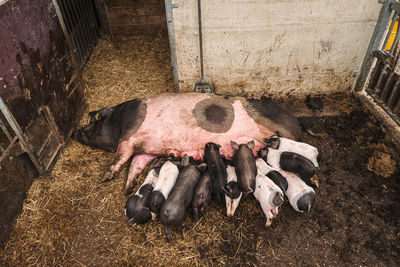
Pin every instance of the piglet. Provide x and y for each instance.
(202, 195)
(137, 206)
(166, 180)
(289, 161)
(173, 210)
(245, 166)
(216, 168)
(287, 145)
(301, 196)
(233, 193)
(269, 195)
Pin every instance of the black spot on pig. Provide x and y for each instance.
(136, 206)
(278, 179)
(267, 112)
(296, 163)
(232, 190)
(214, 114)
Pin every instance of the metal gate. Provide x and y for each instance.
(380, 72)
(80, 24)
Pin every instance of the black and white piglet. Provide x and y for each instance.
(289, 161)
(217, 169)
(202, 195)
(166, 180)
(245, 166)
(303, 149)
(173, 210)
(137, 206)
(301, 196)
(233, 193)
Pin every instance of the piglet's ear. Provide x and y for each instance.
(250, 144)
(234, 146)
(202, 167)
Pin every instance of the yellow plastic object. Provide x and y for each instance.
(392, 36)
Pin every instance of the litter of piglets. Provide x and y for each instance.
(175, 185)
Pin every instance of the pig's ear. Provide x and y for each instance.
(234, 146)
(250, 144)
(202, 167)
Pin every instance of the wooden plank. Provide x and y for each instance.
(131, 30)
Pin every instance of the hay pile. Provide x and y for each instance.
(72, 219)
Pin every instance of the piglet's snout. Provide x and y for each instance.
(277, 199)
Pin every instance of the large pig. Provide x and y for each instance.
(173, 210)
(245, 166)
(166, 180)
(233, 193)
(137, 206)
(182, 124)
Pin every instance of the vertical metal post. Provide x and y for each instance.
(172, 41)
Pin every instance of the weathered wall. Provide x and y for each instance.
(36, 69)
(254, 47)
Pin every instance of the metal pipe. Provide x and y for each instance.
(5, 130)
(172, 41)
(200, 40)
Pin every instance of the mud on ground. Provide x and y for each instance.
(72, 219)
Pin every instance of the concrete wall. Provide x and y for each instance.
(263, 47)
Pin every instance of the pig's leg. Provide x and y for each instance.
(139, 162)
(124, 152)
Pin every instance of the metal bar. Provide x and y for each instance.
(386, 87)
(396, 109)
(76, 34)
(388, 111)
(5, 130)
(71, 44)
(390, 30)
(382, 76)
(391, 99)
(71, 21)
(200, 39)
(172, 41)
(83, 27)
(374, 44)
(17, 130)
(102, 15)
(91, 23)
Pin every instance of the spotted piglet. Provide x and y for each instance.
(137, 206)
(301, 196)
(166, 180)
(269, 195)
(232, 192)
(297, 157)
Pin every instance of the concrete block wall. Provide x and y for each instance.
(264, 47)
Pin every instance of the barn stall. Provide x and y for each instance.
(303, 59)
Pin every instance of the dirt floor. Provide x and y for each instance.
(72, 219)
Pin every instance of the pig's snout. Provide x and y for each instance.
(278, 199)
(306, 201)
